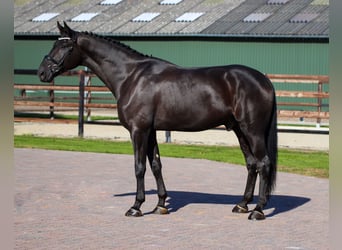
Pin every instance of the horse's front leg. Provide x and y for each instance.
(139, 141)
(156, 166)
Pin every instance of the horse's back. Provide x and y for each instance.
(202, 98)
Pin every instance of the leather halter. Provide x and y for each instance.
(56, 66)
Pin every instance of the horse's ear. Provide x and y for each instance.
(66, 31)
(60, 27)
(66, 27)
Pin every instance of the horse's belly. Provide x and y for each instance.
(189, 121)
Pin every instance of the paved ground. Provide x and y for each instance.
(73, 200)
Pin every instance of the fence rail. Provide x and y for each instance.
(319, 94)
(84, 98)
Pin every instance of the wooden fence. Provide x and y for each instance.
(84, 99)
(319, 94)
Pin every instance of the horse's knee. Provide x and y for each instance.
(140, 172)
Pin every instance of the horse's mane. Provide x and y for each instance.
(114, 42)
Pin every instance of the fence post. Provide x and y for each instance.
(52, 100)
(319, 107)
(168, 136)
(81, 105)
(88, 95)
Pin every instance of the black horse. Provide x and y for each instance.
(153, 94)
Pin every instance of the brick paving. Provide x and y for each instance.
(74, 200)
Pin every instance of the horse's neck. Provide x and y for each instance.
(111, 63)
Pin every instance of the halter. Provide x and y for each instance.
(57, 66)
(64, 38)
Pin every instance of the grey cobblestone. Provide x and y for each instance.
(73, 200)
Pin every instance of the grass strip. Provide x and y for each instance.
(311, 163)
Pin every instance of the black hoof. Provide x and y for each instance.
(240, 210)
(256, 215)
(133, 212)
(160, 210)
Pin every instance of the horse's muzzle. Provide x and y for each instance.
(45, 74)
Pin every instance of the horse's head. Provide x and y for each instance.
(63, 56)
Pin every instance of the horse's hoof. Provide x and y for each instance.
(256, 215)
(240, 210)
(133, 212)
(160, 210)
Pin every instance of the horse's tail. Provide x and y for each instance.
(272, 147)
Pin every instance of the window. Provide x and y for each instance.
(303, 17)
(189, 17)
(256, 17)
(170, 2)
(110, 2)
(45, 17)
(280, 2)
(146, 17)
(84, 17)
(320, 2)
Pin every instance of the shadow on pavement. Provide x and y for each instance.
(179, 199)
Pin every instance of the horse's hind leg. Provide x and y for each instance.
(262, 167)
(154, 159)
(242, 207)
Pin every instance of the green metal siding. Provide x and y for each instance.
(278, 58)
(267, 57)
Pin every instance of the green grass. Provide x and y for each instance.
(312, 163)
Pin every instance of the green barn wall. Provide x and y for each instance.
(278, 58)
(273, 58)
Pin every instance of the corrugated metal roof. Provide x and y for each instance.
(277, 24)
(260, 18)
